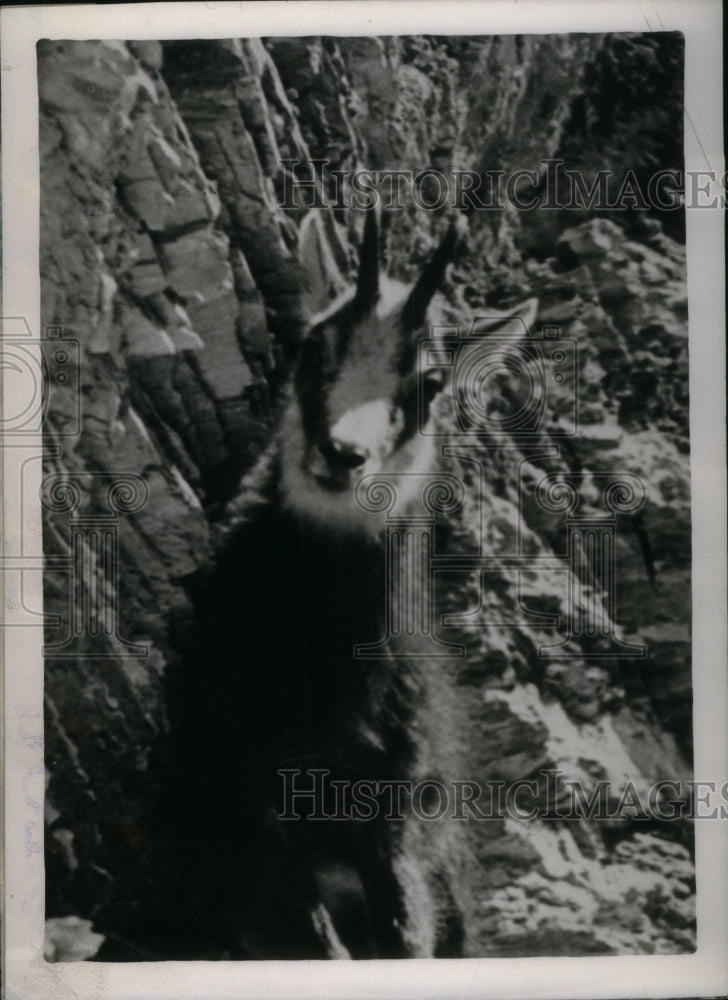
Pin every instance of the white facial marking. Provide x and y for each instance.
(368, 429)
(339, 511)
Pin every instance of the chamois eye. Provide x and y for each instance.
(312, 343)
(432, 383)
(312, 349)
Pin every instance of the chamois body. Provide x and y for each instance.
(272, 682)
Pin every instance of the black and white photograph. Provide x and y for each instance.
(358, 501)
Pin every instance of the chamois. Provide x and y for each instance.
(272, 682)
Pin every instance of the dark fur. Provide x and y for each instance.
(271, 682)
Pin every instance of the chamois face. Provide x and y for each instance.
(355, 408)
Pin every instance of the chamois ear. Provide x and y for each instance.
(367, 282)
(415, 308)
(320, 251)
(528, 313)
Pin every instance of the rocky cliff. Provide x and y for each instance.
(166, 254)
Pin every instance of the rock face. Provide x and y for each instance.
(166, 254)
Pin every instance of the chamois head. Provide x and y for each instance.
(354, 408)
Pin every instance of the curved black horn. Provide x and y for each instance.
(367, 282)
(415, 308)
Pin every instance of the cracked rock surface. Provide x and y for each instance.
(166, 254)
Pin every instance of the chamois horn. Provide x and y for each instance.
(367, 282)
(415, 308)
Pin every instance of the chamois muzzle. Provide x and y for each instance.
(333, 462)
